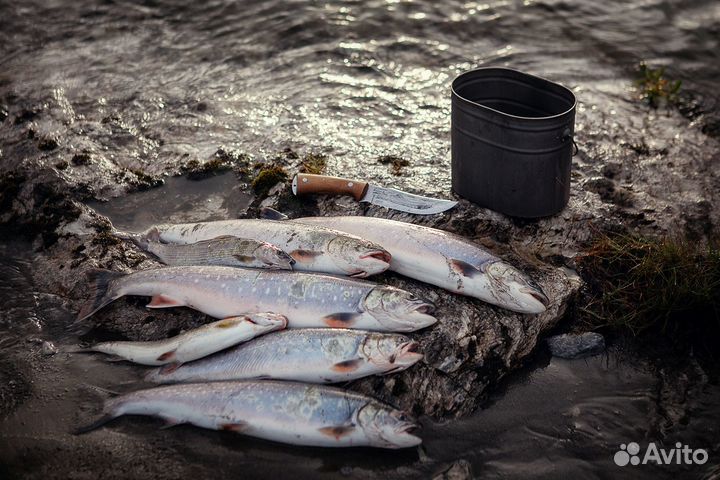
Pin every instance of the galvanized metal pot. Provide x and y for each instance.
(512, 141)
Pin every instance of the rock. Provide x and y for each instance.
(572, 346)
(460, 470)
(48, 348)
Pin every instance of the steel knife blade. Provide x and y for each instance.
(304, 183)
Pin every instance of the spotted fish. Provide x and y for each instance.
(306, 299)
(287, 412)
(196, 343)
(316, 355)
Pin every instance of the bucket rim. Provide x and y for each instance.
(514, 71)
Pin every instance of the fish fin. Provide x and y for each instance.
(340, 319)
(73, 349)
(245, 258)
(236, 426)
(101, 291)
(115, 358)
(101, 390)
(153, 235)
(464, 268)
(231, 321)
(337, 432)
(94, 425)
(168, 368)
(304, 255)
(166, 356)
(164, 301)
(347, 366)
(170, 422)
(271, 214)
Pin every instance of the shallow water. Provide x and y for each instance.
(147, 85)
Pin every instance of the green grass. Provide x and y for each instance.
(655, 88)
(314, 163)
(641, 284)
(267, 178)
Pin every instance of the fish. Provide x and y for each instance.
(287, 412)
(315, 355)
(443, 259)
(225, 250)
(314, 248)
(196, 343)
(306, 299)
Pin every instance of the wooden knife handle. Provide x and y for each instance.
(307, 183)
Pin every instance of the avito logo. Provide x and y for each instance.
(680, 455)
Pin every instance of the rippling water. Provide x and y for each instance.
(160, 80)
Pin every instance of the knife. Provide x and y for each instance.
(303, 183)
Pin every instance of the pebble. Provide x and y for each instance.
(572, 346)
(49, 349)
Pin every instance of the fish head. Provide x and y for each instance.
(273, 257)
(399, 309)
(264, 322)
(392, 352)
(357, 257)
(514, 290)
(387, 427)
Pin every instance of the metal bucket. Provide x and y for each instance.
(512, 141)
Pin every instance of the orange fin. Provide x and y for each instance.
(168, 368)
(170, 422)
(337, 432)
(304, 255)
(347, 366)
(163, 301)
(464, 268)
(230, 322)
(340, 319)
(233, 427)
(166, 356)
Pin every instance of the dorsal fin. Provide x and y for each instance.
(271, 214)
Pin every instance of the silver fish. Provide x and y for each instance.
(316, 355)
(314, 248)
(196, 343)
(224, 250)
(445, 260)
(306, 299)
(287, 412)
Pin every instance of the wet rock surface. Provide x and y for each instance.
(572, 346)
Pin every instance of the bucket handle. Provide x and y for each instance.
(567, 136)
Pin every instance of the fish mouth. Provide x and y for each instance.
(410, 428)
(425, 308)
(276, 321)
(538, 295)
(380, 255)
(409, 354)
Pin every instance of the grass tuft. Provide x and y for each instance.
(314, 163)
(655, 88)
(267, 178)
(666, 285)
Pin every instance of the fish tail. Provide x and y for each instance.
(109, 412)
(139, 239)
(79, 350)
(101, 291)
(105, 418)
(271, 214)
